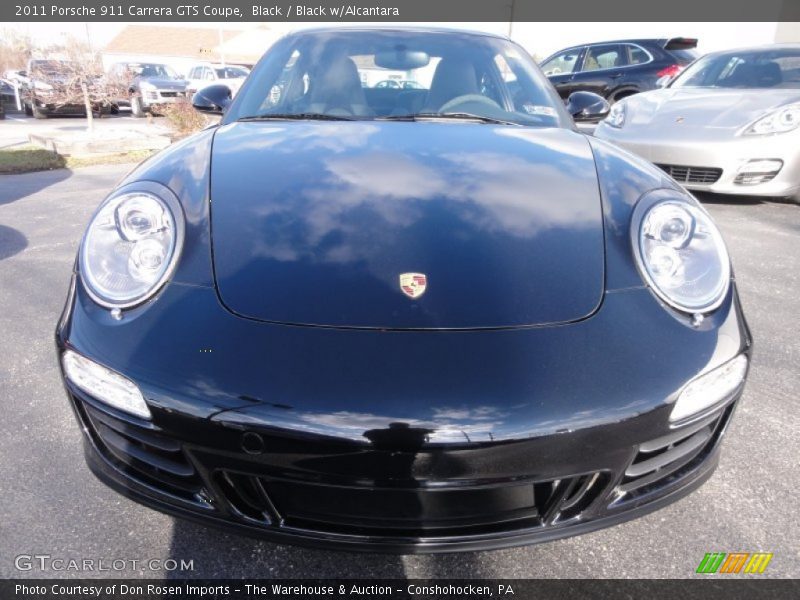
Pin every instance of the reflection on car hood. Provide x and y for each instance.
(314, 222)
(721, 112)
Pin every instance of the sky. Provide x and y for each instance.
(541, 39)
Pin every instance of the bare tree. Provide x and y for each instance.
(75, 79)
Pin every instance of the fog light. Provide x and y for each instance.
(710, 388)
(104, 384)
(758, 171)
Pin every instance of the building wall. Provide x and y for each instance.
(788, 32)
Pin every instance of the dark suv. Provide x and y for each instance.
(618, 69)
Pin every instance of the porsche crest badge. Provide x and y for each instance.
(413, 284)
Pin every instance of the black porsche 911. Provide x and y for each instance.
(404, 320)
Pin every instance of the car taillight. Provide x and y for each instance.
(669, 71)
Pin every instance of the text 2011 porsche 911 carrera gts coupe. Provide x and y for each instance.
(419, 319)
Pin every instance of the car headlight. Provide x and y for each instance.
(616, 116)
(782, 120)
(681, 254)
(131, 247)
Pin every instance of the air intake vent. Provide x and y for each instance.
(692, 174)
(144, 454)
(667, 458)
(453, 510)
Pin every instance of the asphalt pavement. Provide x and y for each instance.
(51, 504)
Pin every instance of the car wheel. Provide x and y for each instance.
(114, 110)
(38, 113)
(620, 94)
(28, 110)
(137, 107)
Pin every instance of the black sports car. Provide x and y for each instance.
(417, 320)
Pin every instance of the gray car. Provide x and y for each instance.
(730, 123)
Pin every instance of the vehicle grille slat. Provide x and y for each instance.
(676, 436)
(122, 444)
(660, 460)
(137, 433)
(686, 174)
(440, 511)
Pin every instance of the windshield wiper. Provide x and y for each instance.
(295, 117)
(454, 115)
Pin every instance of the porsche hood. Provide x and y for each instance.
(708, 113)
(394, 225)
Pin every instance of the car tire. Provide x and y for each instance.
(618, 95)
(38, 113)
(114, 110)
(137, 107)
(28, 110)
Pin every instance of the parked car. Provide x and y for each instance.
(388, 84)
(204, 74)
(145, 86)
(730, 123)
(51, 87)
(466, 327)
(7, 96)
(620, 68)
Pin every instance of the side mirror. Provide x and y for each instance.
(586, 107)
(213, 99)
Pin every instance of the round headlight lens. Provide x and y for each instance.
(683, 257)
(129, 249)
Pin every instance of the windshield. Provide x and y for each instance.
(760, 69)
(153, 70)
(230, 72)
(368, 75)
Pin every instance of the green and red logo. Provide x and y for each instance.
(734, 562)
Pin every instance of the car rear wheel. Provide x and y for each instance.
(620, 94)
(38, 113)
(137, 107)
(28, 110)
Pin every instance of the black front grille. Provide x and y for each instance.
(408, 511)
(692, 174)
(663, 460)
(142, 453)
(172, 94)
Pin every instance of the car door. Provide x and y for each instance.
(560, 69)
(602, 66)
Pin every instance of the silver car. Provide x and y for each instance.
(730, 123)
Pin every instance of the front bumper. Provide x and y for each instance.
(155, 97)
(726, 156)
(306, 435)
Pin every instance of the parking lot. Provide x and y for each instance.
(53, 505)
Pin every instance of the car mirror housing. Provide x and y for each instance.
(587, 107)
(213, 99)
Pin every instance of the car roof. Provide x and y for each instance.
(762, 47)
(640, 41)
(399, 29)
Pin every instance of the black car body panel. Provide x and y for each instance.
(401, 434)
(388, 198)
(637, 66)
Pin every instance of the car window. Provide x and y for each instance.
(769, 68)
(562, 64)
(422, 73)
(637, 55)
(603, 57)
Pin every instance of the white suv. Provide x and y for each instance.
(204, 74)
